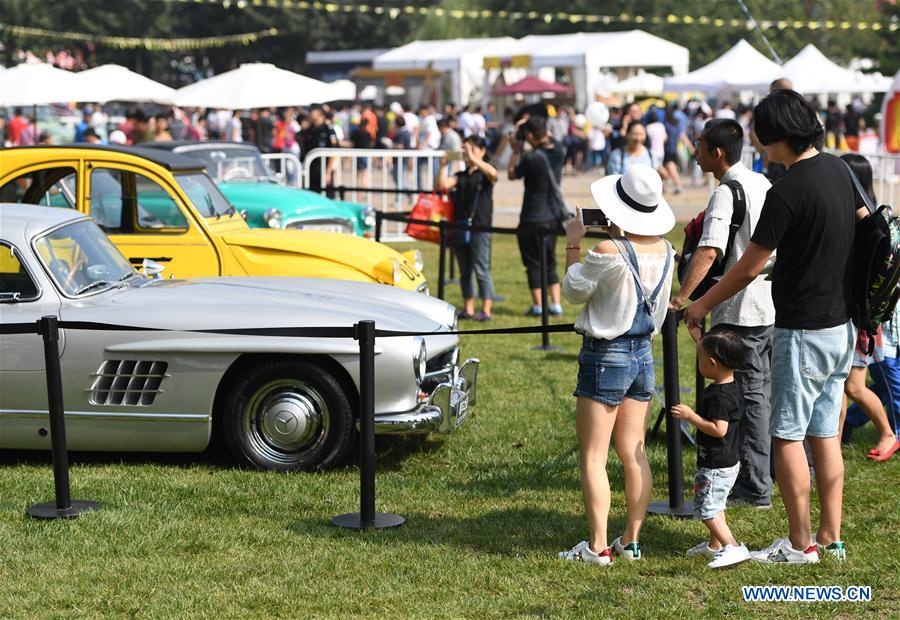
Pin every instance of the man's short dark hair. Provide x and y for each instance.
(724, 346)
(443, 122)
(784, 115)
(536, 126)
(725, 134)
(316, 106)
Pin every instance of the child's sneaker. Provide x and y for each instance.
(582, 553)
(729, 555)
(834, 550)
(631, 551)
(702, 550)
(781, 552)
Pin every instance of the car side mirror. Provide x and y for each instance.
(152, 269)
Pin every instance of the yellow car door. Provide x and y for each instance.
(146, 220)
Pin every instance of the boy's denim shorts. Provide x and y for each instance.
(711, 489)
(809, 368)
(611, 370)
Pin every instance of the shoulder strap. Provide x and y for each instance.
(556, 190)
(738, 214)
(651, 299)
(867, 200)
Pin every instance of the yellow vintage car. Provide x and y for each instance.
(163, 211)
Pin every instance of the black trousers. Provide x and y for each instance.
(531, 244)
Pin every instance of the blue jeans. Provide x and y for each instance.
(711, 489)
(809, 368)
(610, 371)
(886, 377)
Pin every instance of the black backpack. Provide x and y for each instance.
(876, 264)
(693, 232)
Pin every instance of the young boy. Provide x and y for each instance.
(719, 352)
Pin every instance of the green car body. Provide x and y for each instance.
(257, 194)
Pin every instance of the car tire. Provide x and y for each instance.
(287, 415)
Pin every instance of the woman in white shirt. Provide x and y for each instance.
(624, 283)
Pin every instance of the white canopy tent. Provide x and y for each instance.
(36, 84)
(811, 73)
(461, 59)
(640, 84)
(740, 68)
(253, 85)
(586, 53)
(341, 90)
(116, 83)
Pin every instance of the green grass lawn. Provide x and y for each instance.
(487, 509)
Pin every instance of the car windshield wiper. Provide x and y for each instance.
(92, 285)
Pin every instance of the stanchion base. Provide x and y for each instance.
(685, 511)
(49, 511)
(549, 347)
(353, 521)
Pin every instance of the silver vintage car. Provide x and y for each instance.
(274, 402)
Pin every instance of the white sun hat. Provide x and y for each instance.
(634, 201)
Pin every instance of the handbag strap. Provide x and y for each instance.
(867, 200)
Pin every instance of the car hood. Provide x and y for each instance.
(357, 252)
(251, 302)
(293, 202)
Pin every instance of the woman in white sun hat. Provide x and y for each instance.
(624, 284)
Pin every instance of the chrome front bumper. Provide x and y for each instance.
(444, 410)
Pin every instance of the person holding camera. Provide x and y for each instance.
(473, 204)
(624, 284)
(541, 170)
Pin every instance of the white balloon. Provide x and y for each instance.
(580, 121)
(597, 114)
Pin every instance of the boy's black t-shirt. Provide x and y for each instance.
(810, 216)
(723, 401)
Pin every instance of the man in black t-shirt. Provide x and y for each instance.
(319, 134)
(810, 217)
(539, 207)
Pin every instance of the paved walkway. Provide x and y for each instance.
(577, 190)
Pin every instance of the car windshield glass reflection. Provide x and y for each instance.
(233, 164)
(204, 195)
(81, 259)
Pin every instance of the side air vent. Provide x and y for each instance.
(128, 382)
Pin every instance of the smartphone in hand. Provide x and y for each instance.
(594, 218)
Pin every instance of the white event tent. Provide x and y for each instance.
(640, 84)
(33, 84)
(740, 68)
(461, 59)
(253, 85)
(811, 73)
(116, 83)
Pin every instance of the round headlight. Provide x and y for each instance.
(369, 216)
(273, 218)
(420, 359)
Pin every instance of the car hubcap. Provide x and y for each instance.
(286, 420)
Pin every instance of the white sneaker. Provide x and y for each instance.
(582, 553)
(631, 551)
(781, 552)
(702, 550)
(729, 555)
(835, 550)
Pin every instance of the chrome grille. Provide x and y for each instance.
(326, 225)
(128, 382)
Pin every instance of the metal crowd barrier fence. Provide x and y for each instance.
(286, 166)
(365, 333)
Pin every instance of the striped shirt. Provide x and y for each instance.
(751, 307)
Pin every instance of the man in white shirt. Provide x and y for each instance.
(750, 313)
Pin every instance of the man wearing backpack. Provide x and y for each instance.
(810, 217)
(735, 206)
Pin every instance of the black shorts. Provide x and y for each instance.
(670, 156)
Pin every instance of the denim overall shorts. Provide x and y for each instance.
(611, 370)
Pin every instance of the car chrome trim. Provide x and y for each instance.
(24, 265)
(113, 415)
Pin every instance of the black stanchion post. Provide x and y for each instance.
(676, 506)
(378, 222)
(545, 310)
(63, 507)
(442, 257)
(367, 518)
(699, 380)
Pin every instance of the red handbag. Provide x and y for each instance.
(433, 207)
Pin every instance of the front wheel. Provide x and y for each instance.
(286, 416)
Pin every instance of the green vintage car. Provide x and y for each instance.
(263, 200)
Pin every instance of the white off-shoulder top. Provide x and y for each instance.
(605, 285)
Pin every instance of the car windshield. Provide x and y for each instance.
(232, 164)
(81, 259)
(204, 195)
